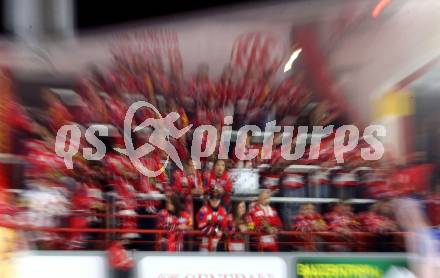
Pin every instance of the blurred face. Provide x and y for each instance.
(307, 209)
(345, 209)
(338, 209)
(219, 168)
(215, 202)
(241, 209)
(263, 199)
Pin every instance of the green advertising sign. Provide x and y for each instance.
(355, 267)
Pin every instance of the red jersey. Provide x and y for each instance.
(412, 179)
(80, 203)
(117, 110)
(43, 162)
(236, 239)
(117, 165)
(310, 222)
(18, 118)
(212, 221)
(226, 88)
(59, 115)
(377, 185)
(263, 218)
(170, 222)
(337, 221)
(156, 185)
(173, 239)
(126, 193)
(119, 257)
(202, 88)
(213, 182)
(375, 223)
(185, 183)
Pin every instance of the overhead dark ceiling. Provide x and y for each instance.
(105, 13)
(126, 11)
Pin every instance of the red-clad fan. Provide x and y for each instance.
(266, 222)
(58, 114)
(227, 85)
(159, 79)
(175, 220)
(208, 115)
(119, 170)
(117, 109)
(308, 220)
(80, 203)
(342, 221)
(253, 91)
(117, 166)
(119, 258)
(152, 185)
(188, 182)
(378, 222)
(290, 93)
(18, 118)
(8, 212)
(43, 162)
(218, 180)
(412, 179)
(212, 221)
(126, 206)
(153, 162)
(238, 224)
(201, 87)
(374, 222)
(95, 103)
(377, 184)
(270, 178)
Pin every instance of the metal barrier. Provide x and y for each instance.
(355, 241)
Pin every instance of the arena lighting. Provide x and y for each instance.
(380, 7)
(292, 59)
